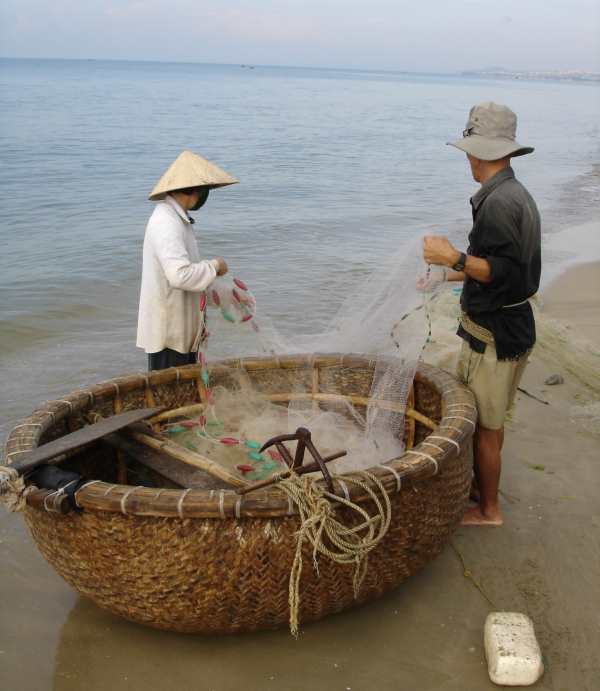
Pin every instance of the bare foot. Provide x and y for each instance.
(473, 516)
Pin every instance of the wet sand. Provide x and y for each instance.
(574, 297)
(428, 634)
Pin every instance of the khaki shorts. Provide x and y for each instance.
(493, 382)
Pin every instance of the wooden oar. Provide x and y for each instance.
(52, 451)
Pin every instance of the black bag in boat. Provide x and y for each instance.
(64, 482)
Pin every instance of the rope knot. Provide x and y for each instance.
(13, 491)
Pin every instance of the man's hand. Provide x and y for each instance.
(222, 267)
(437, 249)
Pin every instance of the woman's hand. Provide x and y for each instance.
(222, 267)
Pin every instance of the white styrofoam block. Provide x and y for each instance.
(511, 648)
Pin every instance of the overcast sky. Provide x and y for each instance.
(415, 35)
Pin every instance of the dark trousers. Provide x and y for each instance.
(169, 358)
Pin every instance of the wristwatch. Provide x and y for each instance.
(460, 264)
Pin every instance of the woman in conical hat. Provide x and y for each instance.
(174, 277)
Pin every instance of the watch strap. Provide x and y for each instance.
(460, 264)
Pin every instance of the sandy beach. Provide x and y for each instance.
(428, 634)
(574, 298)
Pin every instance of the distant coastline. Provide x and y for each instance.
(563, 75)
(485, 73)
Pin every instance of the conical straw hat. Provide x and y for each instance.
(190, 170)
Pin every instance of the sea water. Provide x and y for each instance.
(338, 169)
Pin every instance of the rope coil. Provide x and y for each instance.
(327, 535)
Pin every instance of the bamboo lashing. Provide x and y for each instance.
(150, 401)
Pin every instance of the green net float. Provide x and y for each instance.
(176, 429)
(252, 444)
(227, 316)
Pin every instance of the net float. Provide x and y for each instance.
(229, 441)
(203, 302)
(252, 444)
(201, 359)
(245, 468)
(175, 429)
(227, 316)
(189, 424)
(247, 318)
(215, 297)
(240, 284)
(236, 295)
(255, 456)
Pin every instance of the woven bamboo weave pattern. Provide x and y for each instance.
(212, 561)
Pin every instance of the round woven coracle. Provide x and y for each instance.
(209, 561)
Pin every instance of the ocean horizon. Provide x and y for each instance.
(559, 74)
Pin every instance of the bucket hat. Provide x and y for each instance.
(490, 133)
(190, 170)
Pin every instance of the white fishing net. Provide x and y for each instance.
(383, 317)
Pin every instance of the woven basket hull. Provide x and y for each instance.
(222, 574)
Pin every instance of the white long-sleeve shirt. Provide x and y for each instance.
(173, 276)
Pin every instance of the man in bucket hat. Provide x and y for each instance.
(170, 321)
(501, 271)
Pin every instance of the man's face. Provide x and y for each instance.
(475, 164)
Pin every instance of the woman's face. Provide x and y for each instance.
(199, 197)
